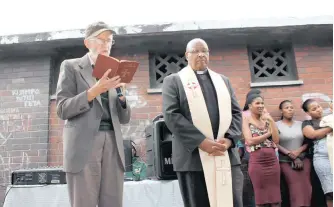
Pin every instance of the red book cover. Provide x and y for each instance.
(126, 69)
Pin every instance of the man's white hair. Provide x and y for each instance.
(192, 42)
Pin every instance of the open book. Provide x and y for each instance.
(125, 69)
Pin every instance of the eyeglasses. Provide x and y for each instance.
(102, 42)
(199, 51)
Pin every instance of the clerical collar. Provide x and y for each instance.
(201, 72)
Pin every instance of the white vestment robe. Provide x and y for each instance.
(217, 169)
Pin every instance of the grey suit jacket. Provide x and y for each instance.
(187, 137)
(83, 118)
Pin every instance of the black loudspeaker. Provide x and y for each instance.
(159, 151)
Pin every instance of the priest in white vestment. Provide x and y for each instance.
(202, 112)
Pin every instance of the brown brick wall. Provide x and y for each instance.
(315, 68)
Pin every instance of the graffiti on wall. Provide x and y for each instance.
(7, 165)
(12, 120)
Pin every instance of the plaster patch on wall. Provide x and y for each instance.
(130, 30)
(69, 34)
(182, 26)
(137, 131)
(135, 100)
(9, 40)
(38, 39)
(321, 97)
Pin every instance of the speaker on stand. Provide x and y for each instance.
(159, 150)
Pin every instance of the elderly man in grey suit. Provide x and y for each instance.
(196, 97)
(94, 112)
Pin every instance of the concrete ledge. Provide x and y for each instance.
(278, 83)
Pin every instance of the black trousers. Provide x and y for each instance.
(194, 192)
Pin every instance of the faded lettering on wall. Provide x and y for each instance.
(27, 96)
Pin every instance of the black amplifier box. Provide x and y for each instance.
(39, 176)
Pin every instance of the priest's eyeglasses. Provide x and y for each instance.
(199, 51)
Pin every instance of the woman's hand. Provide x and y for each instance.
(296, 153)
(299, 165)
(267, 117)
(292, 156)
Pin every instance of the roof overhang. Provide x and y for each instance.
(311, 30)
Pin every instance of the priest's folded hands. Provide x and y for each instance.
(215, 147)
